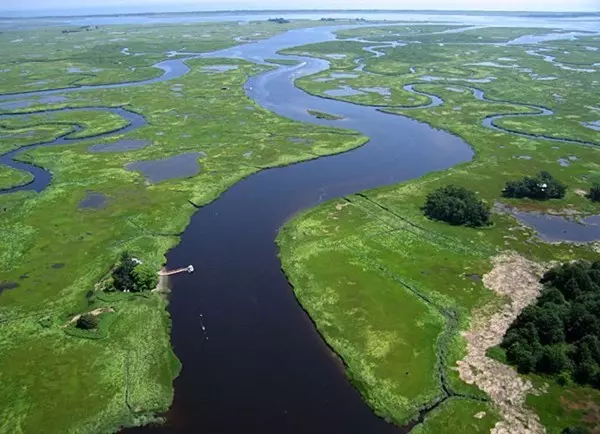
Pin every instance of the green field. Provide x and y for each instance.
(389, 289)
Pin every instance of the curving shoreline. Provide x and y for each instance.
(42, 177)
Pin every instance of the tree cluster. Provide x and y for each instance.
(131, 276)
(541, 187)
(457, 206)
(560, 334)
(278, 20)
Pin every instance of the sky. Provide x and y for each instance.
(166, 5)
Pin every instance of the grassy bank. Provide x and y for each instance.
(380, 280)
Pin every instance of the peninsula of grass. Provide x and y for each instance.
(10, 177)
(322, 115)
(286, 62)
(390, 289)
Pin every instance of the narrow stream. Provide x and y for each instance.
(252, 359)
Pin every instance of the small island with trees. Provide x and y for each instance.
(131, 275)
(458, 206)
(279, 20)
(541, 187)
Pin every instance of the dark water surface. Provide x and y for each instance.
(93, 200)
(177, 166)
(552, 228)
(260, 366)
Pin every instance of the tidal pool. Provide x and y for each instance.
(553, 228)
(384, 91)
(595, 125)
(343, 91)
(120, 146)
(8, 285)
(93, 200)
(342, 75)
(178, 166)
(219, 68)
(469, 80)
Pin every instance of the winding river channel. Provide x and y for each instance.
(252, 359)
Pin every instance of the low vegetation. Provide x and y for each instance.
(541, 187)
(322, 115)
(456, 205)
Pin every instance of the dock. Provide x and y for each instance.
(188, 269)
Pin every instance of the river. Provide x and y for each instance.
(252, 359)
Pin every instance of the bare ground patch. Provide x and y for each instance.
(95, 312)
(516, 279)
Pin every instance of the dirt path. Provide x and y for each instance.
(517, 279)
(95, 312)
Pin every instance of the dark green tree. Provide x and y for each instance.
(594, 193)
(553, 360)
(552, 295)
(456, 205)
(560, 334)
(574, 430)
(522, 356)
(543, 186)
(122, 274)
(549, 326)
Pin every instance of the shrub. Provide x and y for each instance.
(594, 193)
(457, 206)
(543, 186)
(87, 322)
(144, 278)
(574, 430)
(45, 322)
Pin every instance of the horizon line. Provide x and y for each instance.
(30, 13)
